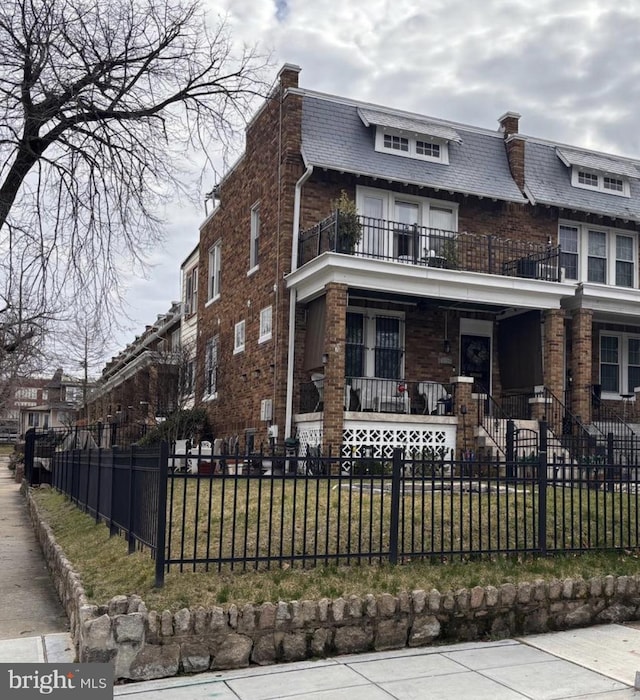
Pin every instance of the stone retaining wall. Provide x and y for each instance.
(147, 644)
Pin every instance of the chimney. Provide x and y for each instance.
(509, 123)
(288, 76)
(514, 144)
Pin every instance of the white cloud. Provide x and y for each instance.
(570, 67)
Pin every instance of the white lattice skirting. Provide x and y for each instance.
(380, 437)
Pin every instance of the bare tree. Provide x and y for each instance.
(101, 105)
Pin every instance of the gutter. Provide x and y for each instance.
(292, 300)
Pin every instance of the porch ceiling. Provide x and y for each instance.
(447, 286)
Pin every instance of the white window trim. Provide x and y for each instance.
(411, 138)
(191, 275)
(214, 395)
(215, 258)
(264, 336)
(370, 316)
(239, 346)
(623, 364)
(583, 251)
(256, 225)
(575, 170)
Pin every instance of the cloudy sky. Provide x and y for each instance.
(571, 68)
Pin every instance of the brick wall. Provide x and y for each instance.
(266, 175)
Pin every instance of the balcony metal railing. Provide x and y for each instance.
(418, 245)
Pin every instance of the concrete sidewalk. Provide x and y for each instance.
(29, 605)
(505, 670)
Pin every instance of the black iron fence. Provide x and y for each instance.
(262, 510)
(420, 245)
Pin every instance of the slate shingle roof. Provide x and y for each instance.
(548, 180)
(335, 137)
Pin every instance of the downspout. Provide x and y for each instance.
(292, 300)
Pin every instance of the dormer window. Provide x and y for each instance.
(411, 137)
(411, 145)
(600, 173)
(599, 182)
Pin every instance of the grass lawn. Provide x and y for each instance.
(107, 570)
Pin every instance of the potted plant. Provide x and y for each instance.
(348, 226)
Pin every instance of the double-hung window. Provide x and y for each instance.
(211, 367)
(255, 237)
(619, 362)
(215, 267)
(265, 324)
(239, 337)
(598, 255)
(191, 291)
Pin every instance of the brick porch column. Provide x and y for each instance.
(467, 422)
(553, 351)
(581, 358)
(334, 348)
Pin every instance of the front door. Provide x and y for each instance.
(475, 361)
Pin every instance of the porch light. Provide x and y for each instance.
(325, 358)
(446, 346)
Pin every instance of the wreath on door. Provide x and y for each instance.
(477, 352)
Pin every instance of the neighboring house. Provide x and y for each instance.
(140, 384)
(57, 402)
(189, 327)
(22, 393)
(480, 267)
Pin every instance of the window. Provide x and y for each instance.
(568, 240)
(26, 393)
(619, 363)
(613, 183)
(265, 324)
(601, 256)
(215, 266)
(374, 345)
(175, 340)
(594, 180)
(33, 419)
(73, 394)
(354, 348)
(238, 337)
(426, 148)
(587, 179)
(255, 237)
(211, 367)
(597, 259)
(624, 261)
(191, 292)
(188, 377)
(399, 226)
(397, 143)
(412, 146)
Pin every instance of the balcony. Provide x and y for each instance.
(418, 245)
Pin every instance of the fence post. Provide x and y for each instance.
(161, 534)
(395, 504)
(132, 485)
(510, 440)
(29, 452)
(112, 528)
(542, 488)
(99, 477)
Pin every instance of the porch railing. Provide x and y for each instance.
(381, 395)
(419, 245)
